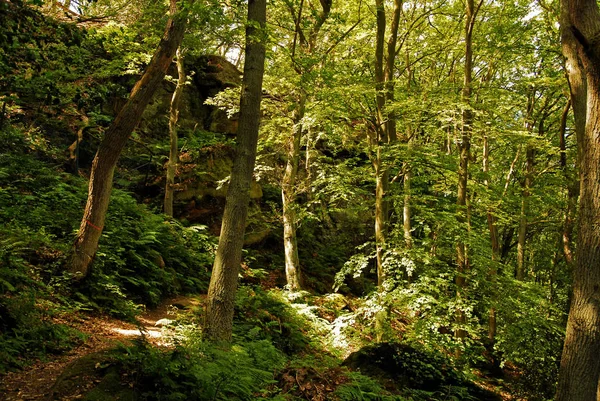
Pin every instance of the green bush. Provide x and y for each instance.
(26, 326)
(196, 370)
(267, 315)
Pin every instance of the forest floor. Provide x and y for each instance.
(35, 382)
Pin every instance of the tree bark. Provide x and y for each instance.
(579, 374)
(105, 161)
(174, 149)
(223, 281)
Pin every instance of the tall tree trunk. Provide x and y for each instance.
(495, 242)
(105, 161)
(174, 149)
(386, 122)
(223, 281)
(406, 209)
(579, 375)
(306, 43)
(288, 195)
(390, 68)
(522, 238)
(464, 150)
(529, 160)
(380, 171)
(572, 192)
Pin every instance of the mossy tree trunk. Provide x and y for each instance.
(105, 161)
(223, 281)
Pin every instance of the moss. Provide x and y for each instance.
(93, 377)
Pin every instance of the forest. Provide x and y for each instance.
(367, 200)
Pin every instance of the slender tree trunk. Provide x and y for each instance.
(579, 375)
(572, 192)
(105, 161)
(381, 212)
(288, 195)
(386, 122)
(522, 238)
(306, 43)
(174, 149)
(495, 242)
(223, 281)
(464, 149)
(380, 171)
(390, 68)
(74, 148)
(406, 210)
(529, 160)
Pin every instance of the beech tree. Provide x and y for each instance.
(115, 138)
(223, 282)
(580, 366)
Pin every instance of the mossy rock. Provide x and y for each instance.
(405, 366)
(93, 377)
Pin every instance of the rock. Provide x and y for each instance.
(335, 301)
(93, 377)
(402, 365)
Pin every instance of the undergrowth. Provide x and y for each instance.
(142, 256)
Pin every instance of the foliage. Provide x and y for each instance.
(262, 315)
(202, 371)
(363, 388)
(531, 339)
(27, 309)
(142, 257)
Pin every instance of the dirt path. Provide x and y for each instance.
(35, 381)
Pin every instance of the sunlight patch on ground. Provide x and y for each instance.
(137, 333)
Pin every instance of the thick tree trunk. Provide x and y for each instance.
(105, 161)
(174, 149)
(223, 281)
(579, 375)
(288, 195)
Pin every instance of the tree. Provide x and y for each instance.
(303, 46)
(223, 281)
(105, 161)
(580, 366)
(464, 150)
(173, 148)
